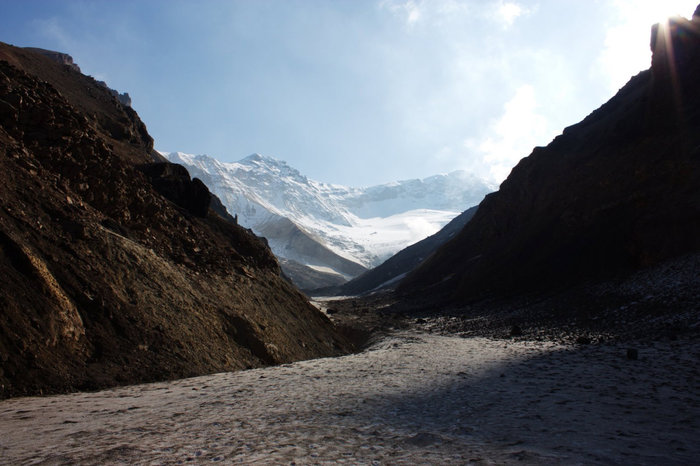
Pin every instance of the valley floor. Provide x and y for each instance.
(411, 398)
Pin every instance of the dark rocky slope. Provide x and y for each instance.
(113, 269)
(615, 193)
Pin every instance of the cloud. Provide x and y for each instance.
(513, 135)
(508, 12)
(54, 32)
(413, 13)
(409, 11)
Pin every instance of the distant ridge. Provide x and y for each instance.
(320, 228)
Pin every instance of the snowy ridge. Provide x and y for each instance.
(363, 225)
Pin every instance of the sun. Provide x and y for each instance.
(656, 11)
(626, 51)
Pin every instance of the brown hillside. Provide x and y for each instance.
(113, 270)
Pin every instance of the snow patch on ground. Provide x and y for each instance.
(410, 399)
(323, 269)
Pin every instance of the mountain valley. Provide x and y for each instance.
(336, 231)
(161, 295)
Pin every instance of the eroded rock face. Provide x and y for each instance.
(58, 57)
(123, 98)
(617, 192)
(114, 273)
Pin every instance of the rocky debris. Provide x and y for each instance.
(107, 281)
(659, 303)
(119, 126)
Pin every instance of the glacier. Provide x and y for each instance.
(362, 225)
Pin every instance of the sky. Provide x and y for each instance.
(354, 92)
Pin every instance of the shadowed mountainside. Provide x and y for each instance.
(303, 247)
(617, 192)
(114, 268)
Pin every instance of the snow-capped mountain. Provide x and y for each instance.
(363, 226)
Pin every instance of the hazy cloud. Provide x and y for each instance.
(508, 12)
(409, 11)
(513, 135)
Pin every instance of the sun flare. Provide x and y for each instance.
(626, 49)
(654, 11)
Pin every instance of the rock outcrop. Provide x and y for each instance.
(113, 269)
(173, 181)
(58, 57)
(615, 193)
(123, 98)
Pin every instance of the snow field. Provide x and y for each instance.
(410, 399)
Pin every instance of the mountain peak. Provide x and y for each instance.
(273, 166)
(364, 225)
(259, 158)
(254, 157)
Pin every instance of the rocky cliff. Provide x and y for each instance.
(615, 193)
(114, 268)
(62, 58)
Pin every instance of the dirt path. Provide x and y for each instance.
(410, 399)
